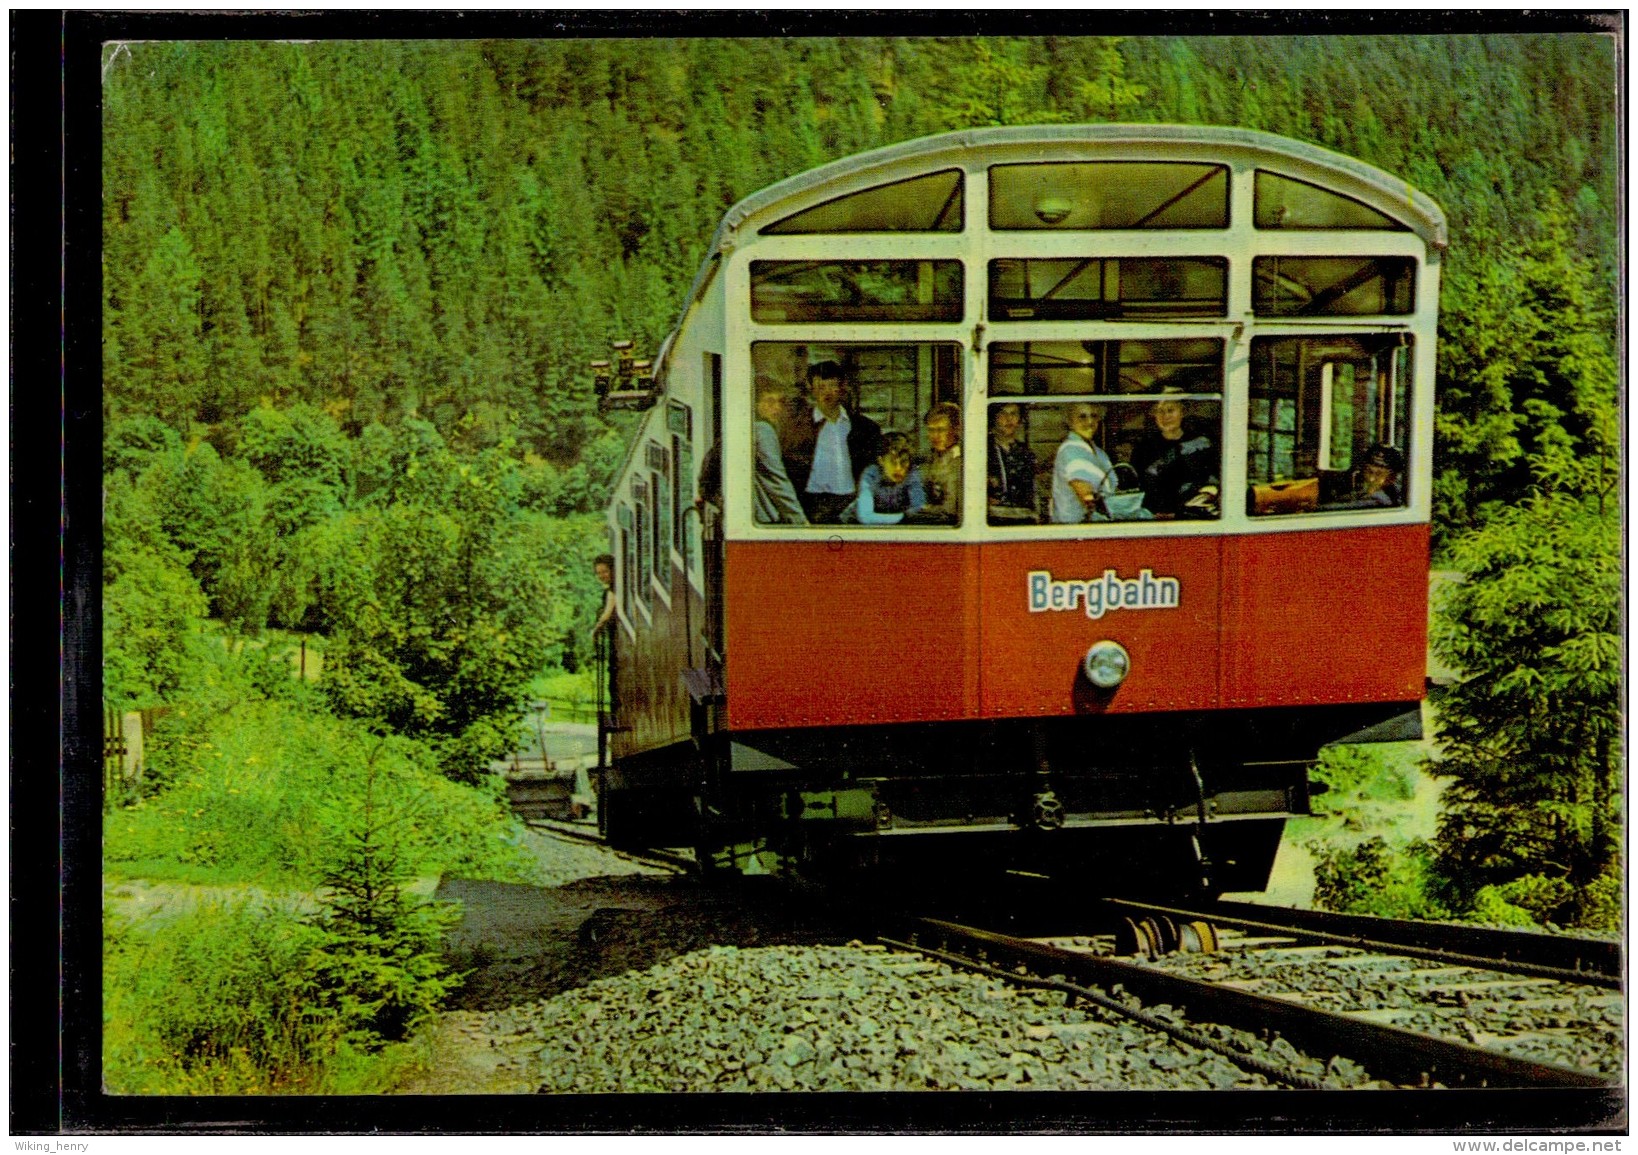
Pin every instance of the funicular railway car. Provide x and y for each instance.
(1034, 497)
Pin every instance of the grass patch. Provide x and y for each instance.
(237, 996)
(257, 794)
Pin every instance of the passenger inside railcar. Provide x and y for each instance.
(773, 496)
(831, 445)
(1011, 468)
(942, 474)
(1177, 462)
(1082, 474)
(891, 489)
(1377, 483)
(1379, 476)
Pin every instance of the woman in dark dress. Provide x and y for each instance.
(1012, 462)
(1176, 463)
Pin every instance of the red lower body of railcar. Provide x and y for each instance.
(923, 706)
(851, 632)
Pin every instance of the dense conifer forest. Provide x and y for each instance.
(451, 230)
(350, 291)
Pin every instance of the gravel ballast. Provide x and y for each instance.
(843, 1018)
(644, 980)
(626, 978)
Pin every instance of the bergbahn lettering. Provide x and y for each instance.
(1102, 594)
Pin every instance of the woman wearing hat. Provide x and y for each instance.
(1176, 464)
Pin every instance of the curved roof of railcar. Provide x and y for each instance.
(1381, 189)
(1384, 190)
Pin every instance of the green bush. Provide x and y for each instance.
(1370, 773)
(1600, 905)
(260, 790)
(256, 996)
(1538, 899)
(1376, 878)
(1491, 906)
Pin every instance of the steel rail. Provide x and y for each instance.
(1392, 1054)
(679, 862)
(1566, 958)
(1154, 1022)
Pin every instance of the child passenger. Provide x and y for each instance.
(890, 488)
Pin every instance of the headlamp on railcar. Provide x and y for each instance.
(1052, 210)
(1106, 664)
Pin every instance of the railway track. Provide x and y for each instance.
(1552, 998)
(669, 859)
(1394, 1055)
(1564, 958)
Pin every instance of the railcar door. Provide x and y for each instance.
(1106, 289)
(1100, 558)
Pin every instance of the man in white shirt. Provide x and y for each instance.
(831, 446)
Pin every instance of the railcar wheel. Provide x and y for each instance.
(1198, 938)
(1133, 937)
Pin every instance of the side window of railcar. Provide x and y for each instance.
(680, 423)
(1328, 423)
(1097, 431)
(659, 464)
(856, 435)
(627, 574)
(644, 534)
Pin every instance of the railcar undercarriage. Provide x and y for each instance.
(1147, 804)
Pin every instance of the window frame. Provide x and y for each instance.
(1401, 408)
(977, 245)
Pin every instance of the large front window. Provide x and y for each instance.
(856, 435)
(1327, 427)
(1096, 431)
(1283, 202)
(922, 204)
(1129, 288)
